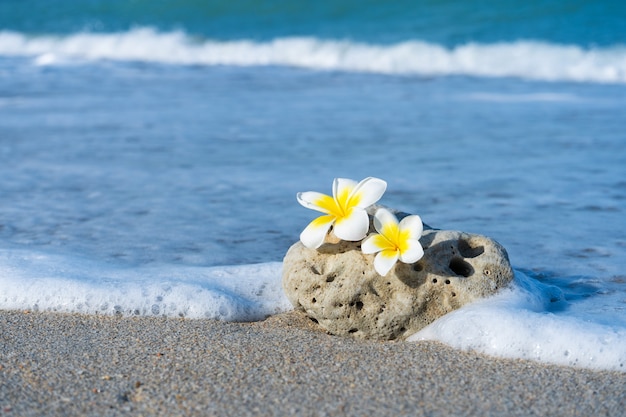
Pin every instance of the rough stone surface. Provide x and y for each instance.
(338, 287)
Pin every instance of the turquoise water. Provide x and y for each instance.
(150, 153)
(449, 23)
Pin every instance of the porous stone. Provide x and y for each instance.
(337, 286)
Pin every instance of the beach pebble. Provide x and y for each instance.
(337, 287)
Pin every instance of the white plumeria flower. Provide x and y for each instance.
(394, 240)
(345, 210)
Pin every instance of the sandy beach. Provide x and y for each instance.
(71, 365)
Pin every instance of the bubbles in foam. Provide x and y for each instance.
(524, 322)
(524, 59)
(520, 322)
(36, 281)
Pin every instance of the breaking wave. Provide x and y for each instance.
(523, 59)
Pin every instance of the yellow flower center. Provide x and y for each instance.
(341, 206)
(396, 240)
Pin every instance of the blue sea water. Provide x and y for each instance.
(150, 153)
(446, 22)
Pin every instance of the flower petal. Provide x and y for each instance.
(342, 185)
(367, 192)
(384, 220)
(413, 224)
(375, 243)
(313, 236)
(316, 201)
(384, 261)
(412, 252)
(353, 226)
(342, 189)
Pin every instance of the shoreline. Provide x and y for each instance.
(70, 364)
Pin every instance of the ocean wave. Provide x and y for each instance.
(516, 324)
(523, 59)
(38, 281)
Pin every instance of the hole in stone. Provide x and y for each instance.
(448, 281)
(453, 294)
(353, 330)
(359, 305)
(315, 271)
(314, 300)
(460, 267)
(402, 329)
(418, 267)
(331, 277)
(434, 280)
(487, 272)
(314, 320)
(467, 251)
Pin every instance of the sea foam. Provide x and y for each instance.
(524, 322)
(47, 282)
(523, 59)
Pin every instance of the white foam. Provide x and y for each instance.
(517, 324)
(44, 282)
(524, 59)
(514, 324)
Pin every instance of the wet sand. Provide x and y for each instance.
(76, 365)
